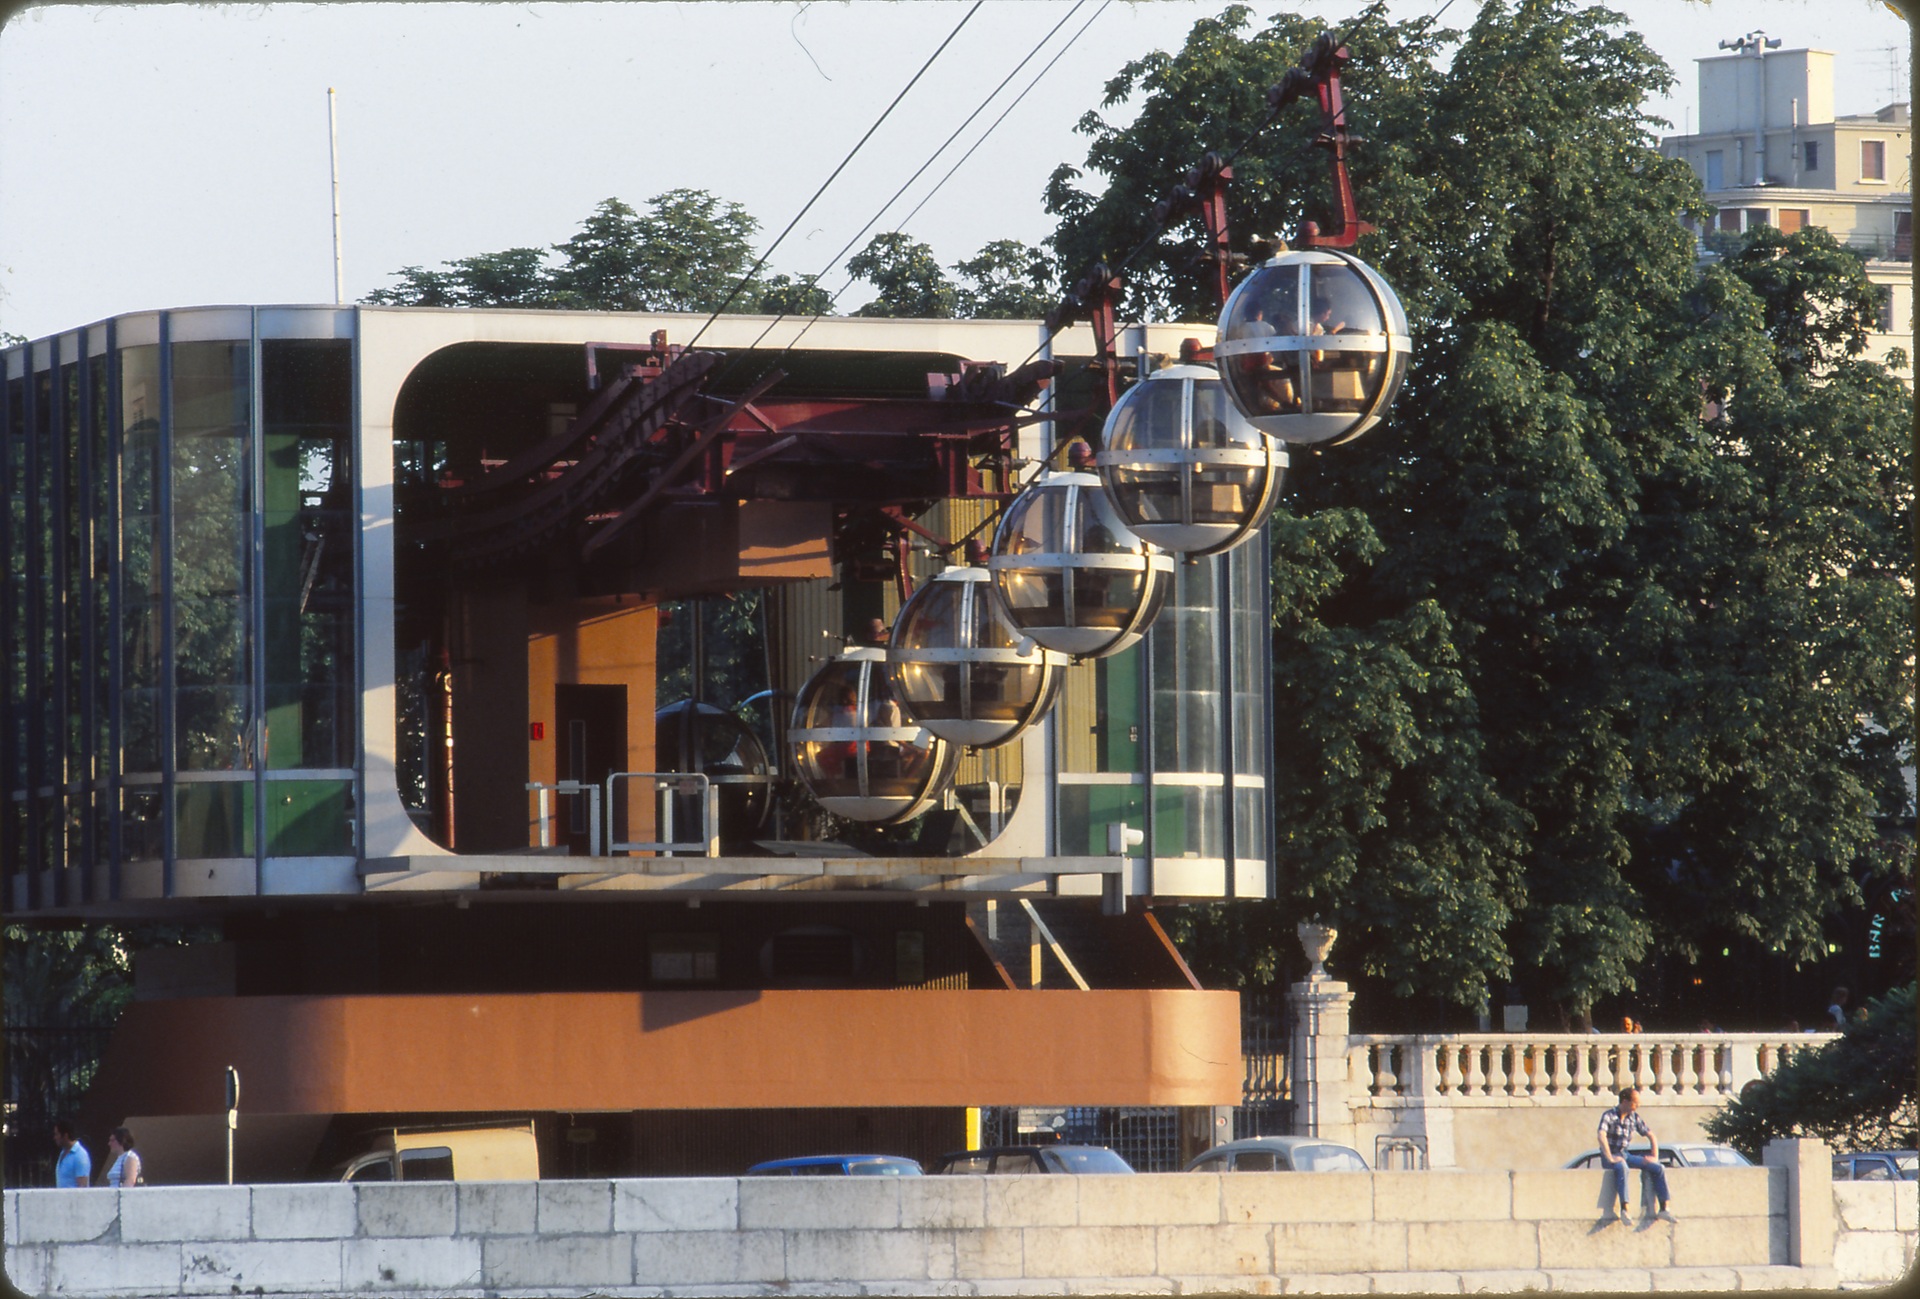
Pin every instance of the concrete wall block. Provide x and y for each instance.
(1223, 1249)
(11, 1230)
(1563, 1193)
(1586, 1243)
(989, 1255)
(54, 1215)
(1723, 1192)
(1442, 1196)
(241, 1266)
(1338, 1246)
(1212, 1284)
(407, 1209)
(553, 1263)
(1483, 1247)
(448, 1265)
(858, 1255)
(1906, 1206)
(1044, 1201)
(575, 1208)
(318, 1211)
(704, 1259)
(496, 1208)
(1695, 1278)
(1149, 1200)
(27, 1266)
(1296, 1197)
(1786, 1278)
(1481, 1282)
(1326, 1283)
(186, 1213)
(1866, 1206)
(1094, 1285)
(1591, 1280)
(113, 1269)
(1086, 1251)
(819, 1203)
(677, 1204)
(1726, 1242)
(1870, 1257)
(938, 1203)
(1417, 1283)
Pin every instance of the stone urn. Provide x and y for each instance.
(1316, 940)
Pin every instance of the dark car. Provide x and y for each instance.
(1279, 1155)
(838, 1166)
(1877, 1166)
(1032, 1159)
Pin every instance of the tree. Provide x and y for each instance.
(908, 277)
(1531, 714)
(689, 251)
(1857, 1093)
(786, 296)
(1005, 280)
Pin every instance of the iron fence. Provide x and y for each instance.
(46, 1073)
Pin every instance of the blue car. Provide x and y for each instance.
(837, 1166)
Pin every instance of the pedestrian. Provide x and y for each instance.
(1837, 1012)
(1618, 1126)
(75, 1166)
(125, 1171)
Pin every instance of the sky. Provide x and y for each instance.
(178, 155)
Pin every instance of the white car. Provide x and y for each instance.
(1682, 1154)
(1279, 1155)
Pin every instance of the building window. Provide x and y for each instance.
(683, 958)
(1873, 160)
(1716, 169)
(1883, 299)
(1810, 160)
(1794, 219)
(1730, 219)
(1757, 217)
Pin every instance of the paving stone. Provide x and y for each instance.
(677, 1204)
(406, 1209)
(241, 1266)
(496, 1208)
(575, 1208)
(411, 1264)
(64, 1215)
(319, 1211)
(699, 1258)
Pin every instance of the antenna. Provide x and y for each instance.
(333, 149)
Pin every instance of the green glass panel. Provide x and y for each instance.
(1087, 810)
(213, 820)
(309, 818)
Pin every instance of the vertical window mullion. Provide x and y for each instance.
(163, 557)
(256, 592)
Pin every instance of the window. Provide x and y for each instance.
(1716, 169)
(431, 1164)
(683, 958)
(1730, 219)
(1757, 217)
(1873, 160)
(1794, 219)
(1256, 1161)
(1810, 159)
(1883, 299)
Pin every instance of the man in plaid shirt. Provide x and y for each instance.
(1618, 1126)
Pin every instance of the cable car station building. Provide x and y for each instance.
(336, 628)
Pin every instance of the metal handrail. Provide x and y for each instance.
(668, 784)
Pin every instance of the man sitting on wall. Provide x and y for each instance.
(1618, 1126)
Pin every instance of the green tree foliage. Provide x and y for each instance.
(786, 296)
(1573, 654)
(688, 251)
(1006, 280)
(908, 276)
(1857, 1093)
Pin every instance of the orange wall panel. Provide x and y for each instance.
(677, 1050)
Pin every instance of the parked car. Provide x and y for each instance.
(1032, 1159)
(1279, 1155)
(1877, 1166)
(838, 1166)
(479, 1154)
(1681, 1154)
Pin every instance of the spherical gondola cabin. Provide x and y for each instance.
(1068, 572)
(1185, 469)
(690, 736)
(857, 751)
(960, 670)
(1313, 346)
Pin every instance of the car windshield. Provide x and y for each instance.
(881, 1167)
(1715, 1157)
(1090, 1159)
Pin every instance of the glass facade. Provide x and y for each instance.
(179, 606)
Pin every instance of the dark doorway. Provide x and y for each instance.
(592, 731)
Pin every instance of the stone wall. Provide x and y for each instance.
(1445, 1231)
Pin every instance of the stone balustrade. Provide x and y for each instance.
(1570, 1069)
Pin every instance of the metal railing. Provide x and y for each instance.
(602, 820)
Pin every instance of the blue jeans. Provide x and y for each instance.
(1646, 1165)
